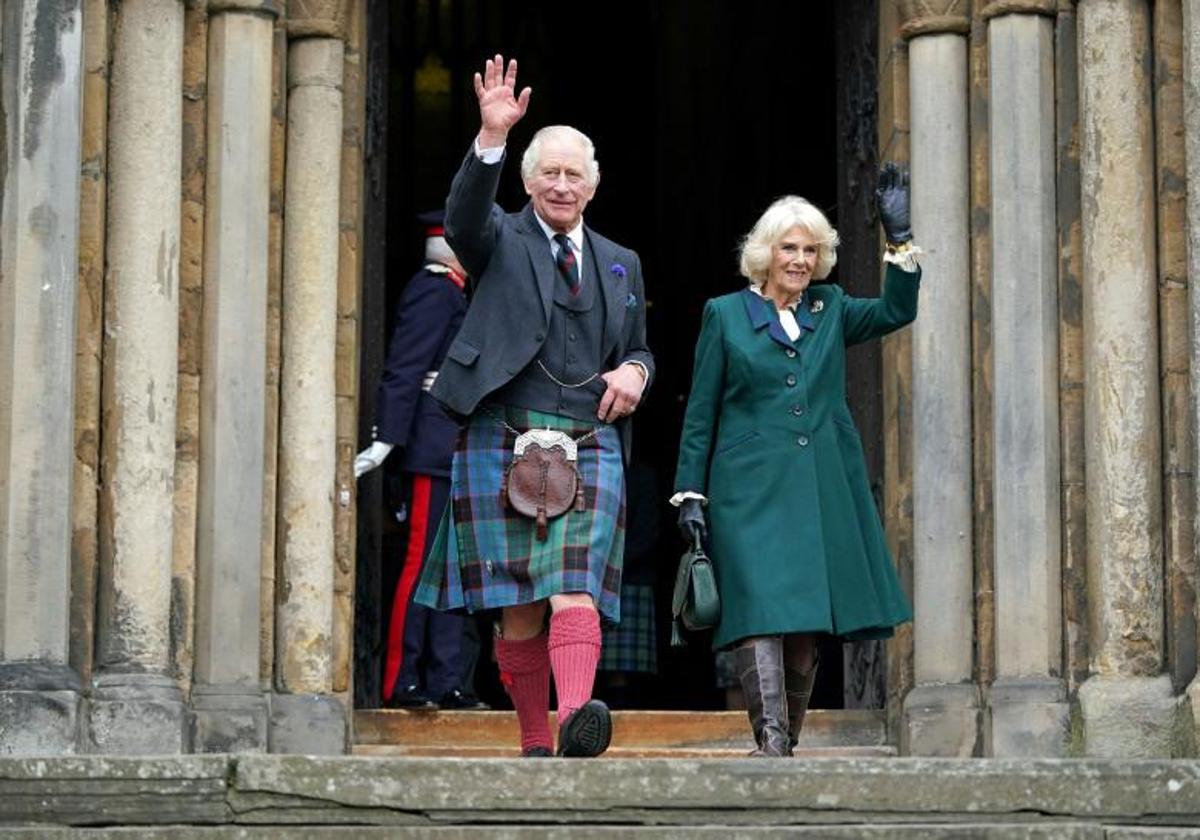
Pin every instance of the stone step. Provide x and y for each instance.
(306, 798)
(509, 751)
(728, 733)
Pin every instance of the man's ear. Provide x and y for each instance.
(592, 189)
(525, 184)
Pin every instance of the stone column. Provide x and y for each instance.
(229, 706)
(136, 704)
(941, 713)
(1027, 699)
(1126, 704)
(1191, 131)
(41, 78)
(305, 716)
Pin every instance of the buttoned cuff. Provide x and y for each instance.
(488, 156)
(680, 497)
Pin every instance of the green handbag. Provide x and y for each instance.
(695, 603)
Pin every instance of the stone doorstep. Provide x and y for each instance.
(917, 831)
(424, 732)
(419, 795)
(449, 751)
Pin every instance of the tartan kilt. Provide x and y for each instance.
(486, 555)
(632, 645)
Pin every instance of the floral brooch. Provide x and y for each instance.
(817, 306)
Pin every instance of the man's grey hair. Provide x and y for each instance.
(533, 152)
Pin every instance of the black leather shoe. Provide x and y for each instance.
(411, 697)
(587, 732)
(537, 752)
(455, 699)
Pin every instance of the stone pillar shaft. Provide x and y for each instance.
(42, 87)
(136, 707)
(1029, 712)
(41, 83)
(232, 396)
(942, 708)
(1126, 704)
(308, 421)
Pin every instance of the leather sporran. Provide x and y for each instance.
(543, 481)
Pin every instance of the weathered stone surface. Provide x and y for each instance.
(942, 720)
(1070, 349)
(931, 17)
(229, 520)
(39, 722)
(41, 87)
(316, 18)
(89, 308)
(1129, 717)
(135, 714)
(307, 724)
(941, 389)
(1025, 348)
(1029, 717)
(308, 421)
(228, 719)
(141, 336)
(1124, 483)
(1174, 343)
(994, 8)
(982, 358)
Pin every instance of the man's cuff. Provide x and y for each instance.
(645, 374)
(488, 156)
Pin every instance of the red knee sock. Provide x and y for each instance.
(574, 648)
(525, 672)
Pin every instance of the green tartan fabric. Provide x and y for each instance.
(631, 645)
(486, 555)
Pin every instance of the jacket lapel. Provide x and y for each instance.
(613, 286)
(540, 259)
(759, 311)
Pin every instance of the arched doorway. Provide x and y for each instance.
(702, 113)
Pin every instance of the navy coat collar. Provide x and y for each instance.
(762, 314)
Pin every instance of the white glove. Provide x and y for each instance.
(370, 458)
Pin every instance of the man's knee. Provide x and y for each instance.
(567, 600)
(523, 621)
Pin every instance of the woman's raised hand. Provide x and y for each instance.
(499, 106)
(891, 200)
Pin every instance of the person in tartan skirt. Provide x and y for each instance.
(555, 339)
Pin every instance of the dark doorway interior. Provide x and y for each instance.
(702, 113)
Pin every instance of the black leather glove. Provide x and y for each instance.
(891, 200)
(691, 521)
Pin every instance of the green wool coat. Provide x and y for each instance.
(794, 534)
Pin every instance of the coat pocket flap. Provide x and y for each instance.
(463, 353)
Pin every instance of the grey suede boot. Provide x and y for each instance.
(759, 664)
(799, 686)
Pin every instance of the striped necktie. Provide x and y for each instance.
(565, 260)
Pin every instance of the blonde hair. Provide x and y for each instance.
(783, 215)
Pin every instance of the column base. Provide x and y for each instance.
(135, 714)
(307, 724)
(228, 719)
(39, 709)
(1128, 717)
(941, 719)
(1030, 718)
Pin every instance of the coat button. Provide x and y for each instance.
(802, 440)
(791, 380)
(798, 410)
(538, 337)
(791, 354)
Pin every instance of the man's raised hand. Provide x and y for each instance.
(499, 106)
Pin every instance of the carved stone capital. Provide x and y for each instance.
(261, 7)
(993, 8)
(316, 18)
(932, 17)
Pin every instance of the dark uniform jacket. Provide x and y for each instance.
(430, 313)
(508, 255)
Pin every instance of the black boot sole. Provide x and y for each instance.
(587, 733)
